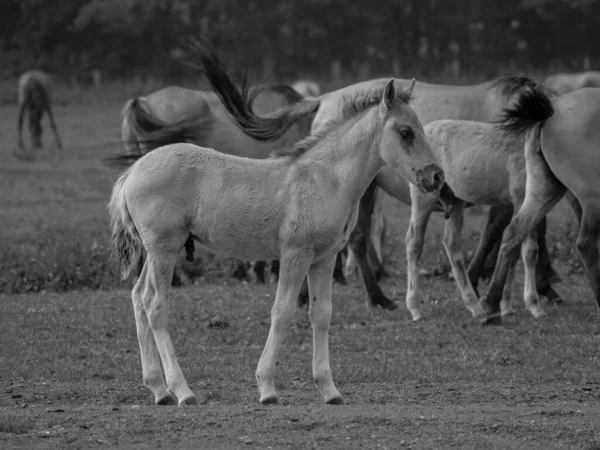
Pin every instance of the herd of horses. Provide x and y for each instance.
(295, 176)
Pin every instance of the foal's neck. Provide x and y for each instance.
(350, 152)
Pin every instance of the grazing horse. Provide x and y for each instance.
(35, 88)
(561, 156)
(299, 206)
(482, 102)
(175, 114)
(561, 83)
(483, 166)
(307, 88)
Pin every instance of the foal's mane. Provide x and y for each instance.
(352, 105)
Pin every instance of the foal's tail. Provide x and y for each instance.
(142, 132)
(238, 100)
(531, 108)
(127, 244)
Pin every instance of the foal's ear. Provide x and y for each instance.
(389, 96)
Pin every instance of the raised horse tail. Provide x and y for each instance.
(126, 241)
(238, 100)
(532, 104)
(142, 132)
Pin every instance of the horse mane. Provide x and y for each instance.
(352, 106)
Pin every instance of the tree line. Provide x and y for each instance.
(294, 38)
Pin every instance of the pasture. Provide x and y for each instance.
(71, 374)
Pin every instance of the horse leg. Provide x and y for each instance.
(420, 210)
(338, 270)
(319, 286)
(54, 129)
(506, 302)
(275, 268)
(498, 218)
(22, 109)
(542, 192)
(294, 266)
(452, 244)
(529, 253)
(588, 245)
(544, 272)
(350, 265)
(151, 372)
(259, 271)
(377, 235)
(156, 305)
(359, 240)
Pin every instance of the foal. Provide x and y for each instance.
(299, 206)
(483, 166)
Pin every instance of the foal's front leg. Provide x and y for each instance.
(319, 286)
(421, 208)
(293, 267)
(453, 247)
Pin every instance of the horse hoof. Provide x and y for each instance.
(189, 401)
(269, 400)
(337, 400)
(491, 319)
(508, 312)
(417, 316)
(167, 400)
(384, 302)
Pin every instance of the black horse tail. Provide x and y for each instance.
(532, 105)
(238, 100)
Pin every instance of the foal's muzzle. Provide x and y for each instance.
(430, 178)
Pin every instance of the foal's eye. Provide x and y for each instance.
(406, 133)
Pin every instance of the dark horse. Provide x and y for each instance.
(35, 100)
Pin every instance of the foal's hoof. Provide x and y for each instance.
(384, 302)
(269, 400)
(188, 401)
(167, 400)
(337, 400)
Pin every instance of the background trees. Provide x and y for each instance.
(284, 39)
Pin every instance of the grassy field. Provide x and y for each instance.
(72, 378)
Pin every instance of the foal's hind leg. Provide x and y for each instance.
(452, 244)
(156, 303)
(588, 245)
(294, 265)
(151, 371)
(319, 285)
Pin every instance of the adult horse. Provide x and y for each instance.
(483, 102)
(299, 206)
(562, 83)
(561, 156)
(35, 100)
(176, 114)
